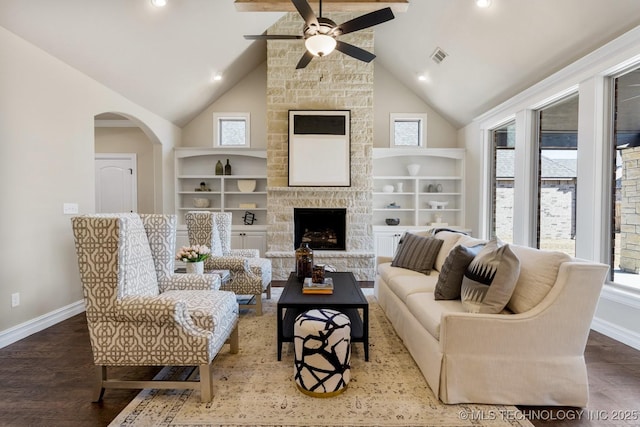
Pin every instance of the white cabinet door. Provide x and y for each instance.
(387, 243)
(237, 241)
(249, 240)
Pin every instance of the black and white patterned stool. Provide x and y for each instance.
(322, 342)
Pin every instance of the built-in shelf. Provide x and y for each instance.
(439, 168)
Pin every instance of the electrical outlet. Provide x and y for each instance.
(69, 208)
(15, 299)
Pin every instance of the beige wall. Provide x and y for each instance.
(250, 95)
(391, 96)
(47, 114)
(132, 140)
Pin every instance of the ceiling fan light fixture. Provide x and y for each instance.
(320, 44)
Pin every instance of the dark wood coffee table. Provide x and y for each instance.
(347, 298)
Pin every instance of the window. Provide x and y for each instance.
(503, 168)
(231, 130)
(625, 182)
(408, 130)
(557, 175)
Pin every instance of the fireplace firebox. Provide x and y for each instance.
(321, 228)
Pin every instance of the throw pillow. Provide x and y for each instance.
(450, 278)
(490, 279)
(416, 253)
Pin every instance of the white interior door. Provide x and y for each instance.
(116, 183)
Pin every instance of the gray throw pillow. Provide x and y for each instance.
(490, 279)
(450, 278)
(416, 253)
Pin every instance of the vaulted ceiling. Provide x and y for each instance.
(164, 59)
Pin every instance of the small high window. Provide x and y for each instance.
(408, 130)
(231, 130)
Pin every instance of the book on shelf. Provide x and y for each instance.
(326, 287)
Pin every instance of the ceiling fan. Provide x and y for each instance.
(320, 34)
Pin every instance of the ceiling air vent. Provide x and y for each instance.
(438, 55)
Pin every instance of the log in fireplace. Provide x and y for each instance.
(321, 228)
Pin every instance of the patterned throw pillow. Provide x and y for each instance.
(450, 278)
(416, 253)
(490, 279)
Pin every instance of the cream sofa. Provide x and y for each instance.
(535, 357)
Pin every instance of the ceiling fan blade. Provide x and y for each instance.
(273, 37)
(304, 9)
(354, 51)
(304, 61)
(365, 21)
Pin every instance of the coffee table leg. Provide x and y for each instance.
(365, 332)
(280, 332)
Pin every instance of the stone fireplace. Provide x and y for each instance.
(334, 82)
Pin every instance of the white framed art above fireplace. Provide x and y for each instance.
(319, 148)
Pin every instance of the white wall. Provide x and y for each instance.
(47, 114)
(618, 313)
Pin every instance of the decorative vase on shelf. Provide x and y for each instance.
(413, 169)
(304, 262)
(219, 168)
(195, 267)
(227, 168)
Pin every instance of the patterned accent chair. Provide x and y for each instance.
(250, 274)
(141, 314)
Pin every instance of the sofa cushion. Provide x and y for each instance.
(449, 240)
(429, 312)
(409, 284)
(450, 277)
(538, 273)
(469, 241)
(490, 279)
(416, 253)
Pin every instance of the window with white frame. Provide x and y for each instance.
(408, 130)
(231, 130)
(625, 181)
(557, 181)
(502, 174)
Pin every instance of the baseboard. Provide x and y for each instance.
(618, 333)
(23, 330)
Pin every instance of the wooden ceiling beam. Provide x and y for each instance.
(327, 5)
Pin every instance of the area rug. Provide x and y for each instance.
(253, 388)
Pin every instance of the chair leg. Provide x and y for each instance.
(98, 390)
(259, 304)
(234, 340)
(268, 291)
(206, 383)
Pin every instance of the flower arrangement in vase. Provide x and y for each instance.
(194, 257)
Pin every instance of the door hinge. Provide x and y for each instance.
(130, 171)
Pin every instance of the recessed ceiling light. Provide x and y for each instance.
(159, 3)
(483, 3)
(422, 78)
(217, 77)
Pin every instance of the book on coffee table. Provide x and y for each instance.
(326, 287)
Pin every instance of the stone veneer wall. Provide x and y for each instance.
(336, 82)
(630, 211)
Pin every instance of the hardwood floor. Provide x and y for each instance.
(47, 381)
